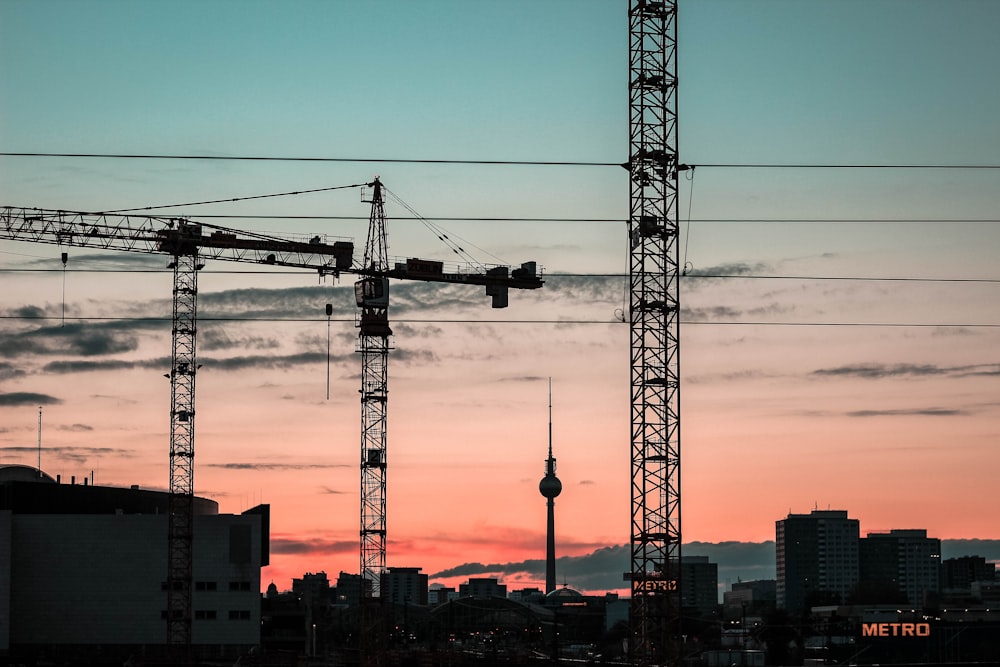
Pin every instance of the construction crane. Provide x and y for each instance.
(374, 343)
(654, 334)
(188, 244)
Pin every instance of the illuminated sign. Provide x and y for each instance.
(656, 585)
(895, 630)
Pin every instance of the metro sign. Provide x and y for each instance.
(895, 629)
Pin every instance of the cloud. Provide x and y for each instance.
(988, 549)
(875, 371)
(75, 428)
(217, 338)
(603, 568)
(80, 366)
(75, 339)
(19, 398)
(911, 412)
(709, 314)
(728, 269)
(265, 361)
(275, 466)
(9, 371)
(75, 455)
(286, 545)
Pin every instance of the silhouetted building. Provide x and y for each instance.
(753, 595)
(404, 585)
(349, 589)
(906, 561)
(817, 558)
(530, 594)
(699, 584)
(83, 570)
(960, 573)
(312, 589)
(482, 587)
(440, 595)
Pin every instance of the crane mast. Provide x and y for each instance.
(654, 333)
(374, 343)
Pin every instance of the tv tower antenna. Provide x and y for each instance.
(550, 487)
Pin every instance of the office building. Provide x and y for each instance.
(699, 584)
(404, 586)
(83, 571)
(905, 560)
(817, 558)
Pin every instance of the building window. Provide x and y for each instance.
(239, 615)
(239, 585)
(205, 585)
(204, 614)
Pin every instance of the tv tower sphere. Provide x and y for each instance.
(550, 486)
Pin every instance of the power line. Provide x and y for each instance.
(544, 163)
(466, 218)
(260, 158)
(548, 276)
(762, 165)
(519, 321)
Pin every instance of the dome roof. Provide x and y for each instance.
(565, 593)
(22, 473)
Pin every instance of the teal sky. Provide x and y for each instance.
(787, 382)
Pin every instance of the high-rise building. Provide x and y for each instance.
(907, 560)
(817, 558)
(404, 585)
(699, 584)
(960, 573)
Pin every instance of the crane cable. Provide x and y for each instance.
(443, 235)
(234, 199)
(687, 234)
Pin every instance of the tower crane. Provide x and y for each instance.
(654, 333)
(374, 343)
(188, 244)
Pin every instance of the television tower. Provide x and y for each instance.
(550, 487)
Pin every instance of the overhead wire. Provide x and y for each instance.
(556, 322)
(545, 163)
(235, 199)
(267, 158)
(690, 276)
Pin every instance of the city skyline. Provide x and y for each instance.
(848, 364)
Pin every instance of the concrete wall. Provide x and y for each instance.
(99, 579)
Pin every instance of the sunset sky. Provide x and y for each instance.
(841, 324)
